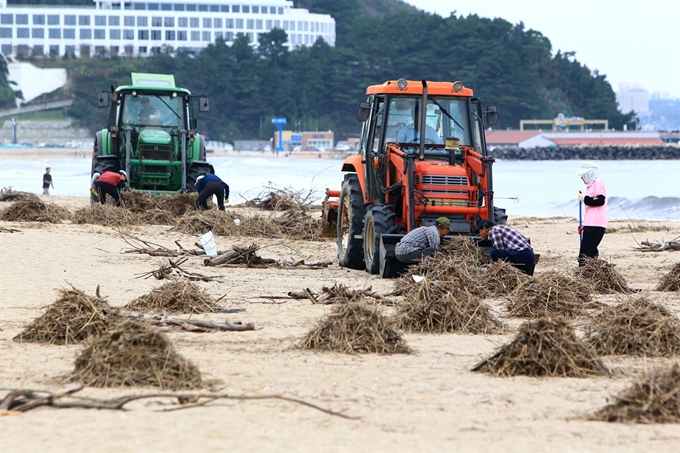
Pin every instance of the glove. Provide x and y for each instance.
(226, 201)
(581, 197)
(580, 229)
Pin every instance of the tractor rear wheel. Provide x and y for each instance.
(351, 211)
(100, 164)
(379, 220)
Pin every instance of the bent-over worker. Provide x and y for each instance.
(508, 245)
(110, 183)
(422, 241)
(209, 185)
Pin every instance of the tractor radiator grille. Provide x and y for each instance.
(443, 180)
(156, 152)
(454, 182)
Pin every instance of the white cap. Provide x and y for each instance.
(585, 168)
(199, 178)
(124, 173)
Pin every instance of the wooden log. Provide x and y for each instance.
(224, 258)
(225, 326)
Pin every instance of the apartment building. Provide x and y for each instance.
(139, 28)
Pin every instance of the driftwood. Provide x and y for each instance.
(17, 401)
(173, 269)
(248, 256)
(338, 294)
(646, 246)
(195, 325)
(9, 230)
(142, 246)
(239, 255)
(300, 264)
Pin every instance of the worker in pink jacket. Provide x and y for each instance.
(595, 218)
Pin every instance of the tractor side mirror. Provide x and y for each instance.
(363, 111)
(103, 100)
(203, 104)
(491, 115)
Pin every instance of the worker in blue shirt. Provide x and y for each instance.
(209, 185)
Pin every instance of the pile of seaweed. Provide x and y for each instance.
(603, 277)
(355, 327)
(635, 327)
(133, 354)
(544, 347)
(31, 208)
(655, 398)
(551, 294)
(72, 318)
(178, 296)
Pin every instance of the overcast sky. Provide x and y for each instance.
(630, 42)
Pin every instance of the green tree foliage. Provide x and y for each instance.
(319, 86)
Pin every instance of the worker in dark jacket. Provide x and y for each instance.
(209, 185)
(110, 183)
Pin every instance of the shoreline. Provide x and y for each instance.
(23, 154)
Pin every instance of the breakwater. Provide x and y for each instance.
(667, 152)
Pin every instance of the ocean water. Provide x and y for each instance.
(635, 189)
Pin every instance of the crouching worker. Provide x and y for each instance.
(422, 241)
(209, 185)
(508, 245)
(110, 183)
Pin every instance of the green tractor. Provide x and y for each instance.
(151, 134)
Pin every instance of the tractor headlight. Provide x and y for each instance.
(402, 84)
(457, 86)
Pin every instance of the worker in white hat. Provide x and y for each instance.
(109, 183)
(595, 218)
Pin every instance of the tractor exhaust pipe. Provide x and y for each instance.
(422, 121)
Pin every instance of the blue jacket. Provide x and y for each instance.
(200, 185)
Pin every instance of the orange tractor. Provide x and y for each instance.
(402, 179)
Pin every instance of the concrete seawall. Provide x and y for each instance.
(669, 152)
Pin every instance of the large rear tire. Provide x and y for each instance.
(100, 164)
(351, 211)
(379, 220)
(195, 170)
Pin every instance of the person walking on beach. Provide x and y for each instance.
(508, 245)
(422, 241)
(209, 185)
(595, 218)
(110, 183)
(47, 181)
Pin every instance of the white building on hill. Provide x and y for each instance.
(138, 28)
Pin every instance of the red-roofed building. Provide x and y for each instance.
(531, 139)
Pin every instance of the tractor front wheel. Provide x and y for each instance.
(351, 210)
(379, 220)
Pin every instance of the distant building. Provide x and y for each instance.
(633, 98)
(532, 139)
(306, 141)
(139, 28)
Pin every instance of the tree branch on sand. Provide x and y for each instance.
(22, 400)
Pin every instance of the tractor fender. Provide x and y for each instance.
(196, 152)
(355, 164)
(103, 140)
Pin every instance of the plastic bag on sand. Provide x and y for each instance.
(207, 241)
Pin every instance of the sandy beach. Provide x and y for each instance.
(427, 401)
